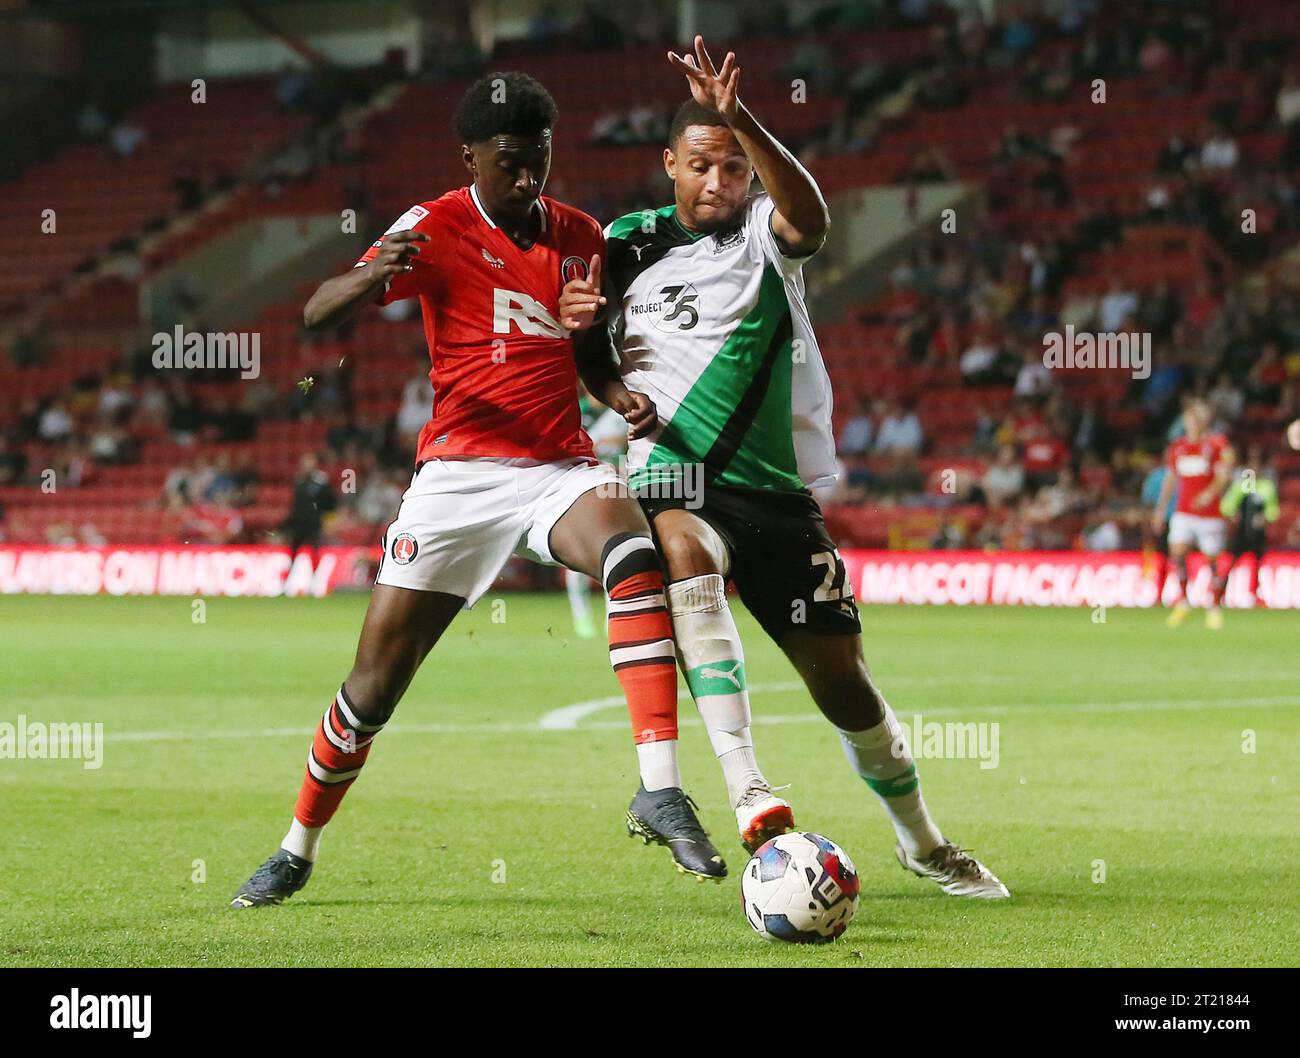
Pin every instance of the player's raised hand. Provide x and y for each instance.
(716, 89)
(396, 252)
(639, 411)
(581, 300)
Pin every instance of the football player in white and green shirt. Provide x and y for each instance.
(705, 308)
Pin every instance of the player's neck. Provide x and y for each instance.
(523, 229)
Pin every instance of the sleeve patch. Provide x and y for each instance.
(409, 219)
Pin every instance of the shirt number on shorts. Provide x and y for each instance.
(831, 588)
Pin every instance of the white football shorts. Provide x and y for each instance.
(462, 519)
(1207, 535)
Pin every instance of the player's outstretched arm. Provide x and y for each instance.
(801, 219)
(337, 300)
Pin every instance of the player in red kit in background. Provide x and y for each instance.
(1200, 464)
(502, 467)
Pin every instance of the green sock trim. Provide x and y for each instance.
(898, 786)
(716, 677)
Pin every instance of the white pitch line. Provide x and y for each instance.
(566, 717)
(969, 713)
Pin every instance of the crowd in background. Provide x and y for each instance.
(1048, 471)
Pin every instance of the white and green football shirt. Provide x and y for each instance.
(713, 328)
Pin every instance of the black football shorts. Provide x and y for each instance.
(783, 561)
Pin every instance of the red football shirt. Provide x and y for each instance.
(504, 378)
(1194, 463)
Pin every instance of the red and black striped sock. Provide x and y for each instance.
(338, 751)
(642, 653)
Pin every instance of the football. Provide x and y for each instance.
(800, 888)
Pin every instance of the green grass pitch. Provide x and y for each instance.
(477, 836)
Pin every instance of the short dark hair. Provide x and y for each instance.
(688, 114)
(504, 104)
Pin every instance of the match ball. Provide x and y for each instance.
(801, 888)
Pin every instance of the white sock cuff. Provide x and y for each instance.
(706, 594)
(883, 734)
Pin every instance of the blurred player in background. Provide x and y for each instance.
(1155, 548)
(709, 319)
(503, 466)
(1252, 501)
(1200, 466)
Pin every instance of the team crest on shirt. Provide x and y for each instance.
(725, 240)
(573, 268)
(404, 548)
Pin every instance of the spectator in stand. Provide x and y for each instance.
(1058, 499)
(900, 431)
(213, 521)
(110, 443)
(184, 417)
(1004, 479)
(1023, 423)
(1034, 379)
(13, 463)
(1226, 399)
(312, 499)
(1219, 151)
(1045, 457)
(1267, 376)
(1159, 311)
(417, 405)
(1095, 477)
(1288, 98)
(244, 479)
(92, 122)
(55, 422)
(1118, 305)
(985, 430)
(859, 433)
(979, 363)
(1102, 533)
(378, 500)
(187, 484)
(125, 138)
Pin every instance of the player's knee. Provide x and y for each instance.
(375, 692)
(686, 555)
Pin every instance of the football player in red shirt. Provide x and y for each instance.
(1200, 464)
(503, 466)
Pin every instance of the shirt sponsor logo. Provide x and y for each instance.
(675, 309)
(524, 312)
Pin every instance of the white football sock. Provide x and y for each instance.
(658, 764)
(302, 841)
(881, 756)
(714, 662)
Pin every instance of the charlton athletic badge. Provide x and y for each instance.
(573, 268)
(404, 548)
